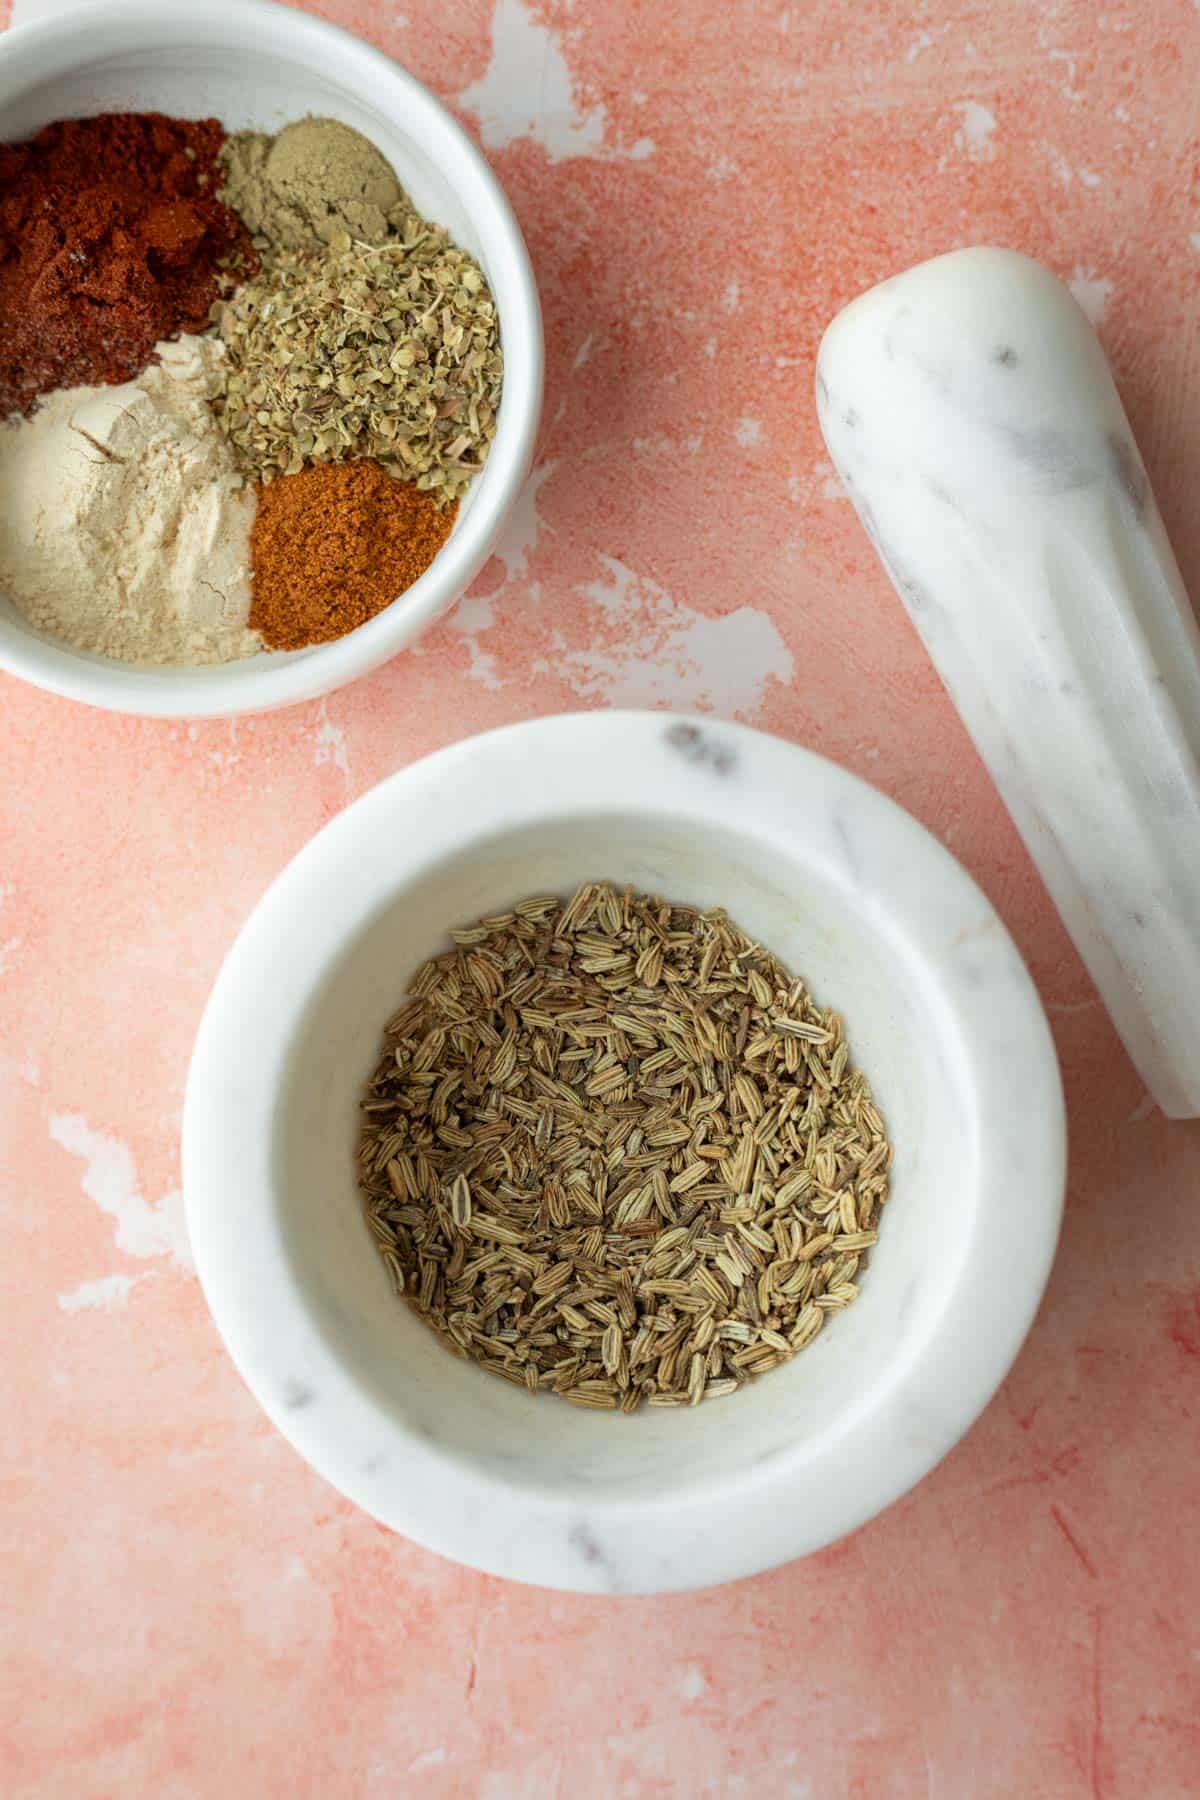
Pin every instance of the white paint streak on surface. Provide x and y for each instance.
(477, 613)
(692, 1683)
(472, 616)
(922, 41)
(8, 946)
(330, 741)
(526, 91)
(106, 1293)
(975, 133)
(518, 540)
(230, 757)
(541, 1779)
(1093, 293)
(659, 652)
(659, 443)
(1068, 175)
(749, 433)
(1069, 90)
(428, 1759)
(110, 1180)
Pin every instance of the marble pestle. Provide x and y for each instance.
(971, 413)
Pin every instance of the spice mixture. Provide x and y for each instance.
(358, 358)
(615, 1151)
(334, 545)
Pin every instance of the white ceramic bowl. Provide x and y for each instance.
(844, 886)
(253, 64)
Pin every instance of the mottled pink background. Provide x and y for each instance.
(187, 1610)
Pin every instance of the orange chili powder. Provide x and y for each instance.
(333, 545)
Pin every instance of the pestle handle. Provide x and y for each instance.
(970, 411)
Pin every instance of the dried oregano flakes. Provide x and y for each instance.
(615, 1151)
(388, 350)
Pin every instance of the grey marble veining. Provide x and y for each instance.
(971, 413)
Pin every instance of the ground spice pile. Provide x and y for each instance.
(111, 238)
(390, 351)
(333, 545)
(317, 177)
(615, 1151)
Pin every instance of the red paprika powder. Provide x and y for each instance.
(111, 238)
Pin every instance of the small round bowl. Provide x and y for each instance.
(252, 64)
(847, 889)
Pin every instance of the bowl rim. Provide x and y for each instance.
(41, 50)
(726, 775)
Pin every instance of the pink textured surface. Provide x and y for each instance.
(188, 1611)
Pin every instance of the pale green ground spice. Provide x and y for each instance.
(315, 178)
